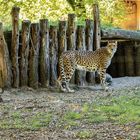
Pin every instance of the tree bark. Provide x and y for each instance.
(61, 40)
(120, 61)
(44, 63)
(71, 38)
(33, 56)
(15, 46)
(24, 53)
(97, 28)
(137, 58)
(129, 60)
(3, 64)
(90, 76)
(80, 76)
(71, 32)
(62, 37)
(120, 34)
(53, 55)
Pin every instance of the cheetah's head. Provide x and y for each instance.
(112, 45)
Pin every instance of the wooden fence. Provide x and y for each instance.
(33, 53)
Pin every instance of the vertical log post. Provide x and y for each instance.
(53, 55)
(120, 65)
(137, 58)
(15, 46)
(62, 37)
(5, 60)
(71, 38)
(129, 59)
(112, 70)
(33, 56)
(90, 76)
(61, 40)
(23, 53)
(3, 66)
(97, 28)
(44, 64)
(80, 76)
(71, 32)
(96, 33)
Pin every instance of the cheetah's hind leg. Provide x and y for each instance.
(64, 86)
(61, 85)
(68, 89)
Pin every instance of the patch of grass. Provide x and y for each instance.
(85, 134)
(123, 109)
(40, 120)
(72, 116)
(17, 121)
(70, 119)
(96, 118)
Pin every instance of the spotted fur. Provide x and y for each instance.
(98, 60)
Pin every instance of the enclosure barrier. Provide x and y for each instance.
(32, 54)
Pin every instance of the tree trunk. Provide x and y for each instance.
(53, 55)
(61, 40)
(97, 28)
(24, 53)
(80, 76)
(71, 32)
(90, 76)
(129, 60)
(120, 61)
(33, 56)
(3, 64)
(44, 64)
(137, 58)
(15, 46)
(71, 38)
(5, 59)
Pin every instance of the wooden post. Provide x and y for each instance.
(33, 56)
(61, 40)
(71, 38)
(53, 55)
(137, 58)
(23, 53)
(3, 65)
(112, 69)
(129, 59)
(44, 64)
(15, 46)
(71, 32)
(97, 28)
(120, 65)
(5, 60)
(62, 37)
(90, 76)
(80, 76)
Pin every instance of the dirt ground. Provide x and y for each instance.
(43, 100)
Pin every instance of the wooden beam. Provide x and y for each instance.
(120, 34)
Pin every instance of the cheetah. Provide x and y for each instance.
(97, 60)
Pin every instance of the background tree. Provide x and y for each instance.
(112, 12)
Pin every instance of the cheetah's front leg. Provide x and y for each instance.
(102, 79)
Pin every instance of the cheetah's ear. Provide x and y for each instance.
(112, 41)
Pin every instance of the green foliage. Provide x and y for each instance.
(35, 9)
(112, 12)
